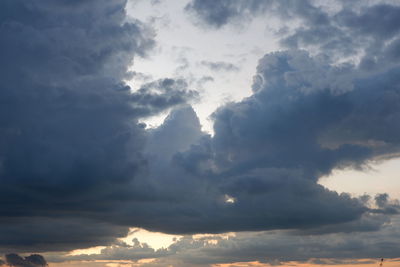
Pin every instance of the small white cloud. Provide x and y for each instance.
(229, 199)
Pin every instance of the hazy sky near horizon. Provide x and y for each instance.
(207, 133)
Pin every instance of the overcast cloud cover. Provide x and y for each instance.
(78, 167)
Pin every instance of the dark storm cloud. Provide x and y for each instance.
(306, 117)
(70, 144)
(34, 260)
(260, 169)
(73, 155)
(55, 234)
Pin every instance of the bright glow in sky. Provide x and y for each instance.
(154, 239)
(378, 178)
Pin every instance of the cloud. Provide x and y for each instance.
(385, 205)
(338, 29)
(269, 247)
(28, 233)
(219, 66)
(71, 143)
(348, 32)
(119, 251)
(160, 95)
(34, 260)
(218, 13)
(335, 31)
(179, 131)
(278, 247)
(222, 12)
(305, 118)
(368, 22)
(73, 155)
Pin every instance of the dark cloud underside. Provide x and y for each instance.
(34, 260)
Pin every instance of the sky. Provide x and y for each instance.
(199, 133)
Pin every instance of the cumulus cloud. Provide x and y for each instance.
(260, 170)
(307, 116)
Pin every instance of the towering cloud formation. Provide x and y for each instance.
(260, 170)
(70, 143)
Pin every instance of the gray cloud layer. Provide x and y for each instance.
(272, 247)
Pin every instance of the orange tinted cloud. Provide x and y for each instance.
(356, 263)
